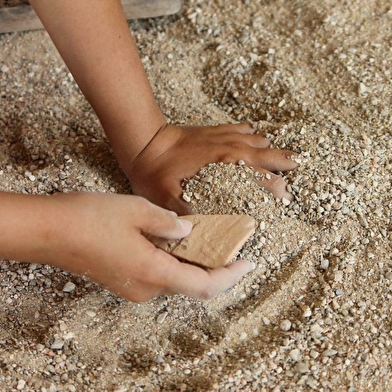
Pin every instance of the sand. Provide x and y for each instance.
(315, 313)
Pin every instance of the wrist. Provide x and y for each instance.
(164, 139)
(26, 227)
(134, 137)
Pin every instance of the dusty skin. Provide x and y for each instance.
(315, 313)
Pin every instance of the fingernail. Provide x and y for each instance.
(251, 266)
(174, 214)
(185, 224)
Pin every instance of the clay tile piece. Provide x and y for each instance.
(213, 241)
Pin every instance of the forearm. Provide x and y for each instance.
(26, 227)
(94, 40)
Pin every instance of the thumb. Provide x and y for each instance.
(163, 223)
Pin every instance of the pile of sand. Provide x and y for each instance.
(315, 313)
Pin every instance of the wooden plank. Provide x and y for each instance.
(22, 17)
(139, 9)
(18, 18)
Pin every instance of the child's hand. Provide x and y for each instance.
(176, 153)
(102, 236)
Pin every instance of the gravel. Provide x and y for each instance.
(315, 313)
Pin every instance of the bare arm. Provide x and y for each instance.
(101, 236)
(22, 232)
(95, 42)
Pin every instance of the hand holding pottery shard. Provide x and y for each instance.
(213, 241)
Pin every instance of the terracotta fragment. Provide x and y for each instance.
(214, 240)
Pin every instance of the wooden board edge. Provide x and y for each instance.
(22, 17)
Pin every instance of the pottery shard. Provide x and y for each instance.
(213, 241)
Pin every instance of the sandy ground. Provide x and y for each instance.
(315, 313)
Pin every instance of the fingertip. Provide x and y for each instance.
(249, 124)
(243, 127)
(286, 198)
(185, 225)
(243, 267)
(248, 127)
(174, 214)
(250, 266)
(267, 141)
(295, 160)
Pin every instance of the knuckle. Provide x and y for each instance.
(164, 219)
(143, 205)
(261, 138)
(247, 127)
(236, 145)
(278, 182)
(226, 157)
(208, 292)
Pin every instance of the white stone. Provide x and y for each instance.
(285, 325)
(295, 355)
(69, 287)
(58, 344)
(307, 312)
(21, 384)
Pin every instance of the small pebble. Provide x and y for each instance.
(266, 321)
(186, 197)
(58, 344)
(243, 336)
(329, 353)
(207, 179)
(324, 264)
(69, 287)
(21, 384)
(285, 325)
(307, 312)
(295, 355)
(162, 317)
(302, 367)
(90, 313)
(121, 389)
(362, 88)
(251, 205)
(350, 187)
